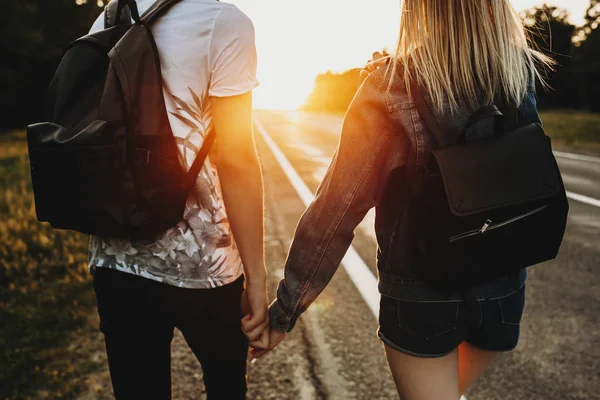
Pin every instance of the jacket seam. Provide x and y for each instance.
(383, 94)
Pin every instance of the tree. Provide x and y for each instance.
(33, 37)
(592, 15)
(333, 92)
(586, 58)
(552, 34)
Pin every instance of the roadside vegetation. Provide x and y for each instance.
(573, 128)
(46, 297)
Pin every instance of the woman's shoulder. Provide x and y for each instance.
(390, 82)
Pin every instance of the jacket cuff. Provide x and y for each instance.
(279, 320)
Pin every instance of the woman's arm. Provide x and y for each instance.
(354, 183)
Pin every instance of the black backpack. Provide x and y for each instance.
(106, 162)
(488, 207)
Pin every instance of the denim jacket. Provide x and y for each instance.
(383, 145)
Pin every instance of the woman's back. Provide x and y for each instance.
(461, 54)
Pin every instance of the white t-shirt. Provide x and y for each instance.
(206, 49)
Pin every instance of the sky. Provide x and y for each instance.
(297, 40)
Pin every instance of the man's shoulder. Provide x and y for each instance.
(230, 15)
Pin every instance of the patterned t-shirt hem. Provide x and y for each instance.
(185, 283)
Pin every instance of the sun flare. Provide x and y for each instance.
(297, 40)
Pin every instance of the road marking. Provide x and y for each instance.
(579, 157)
(358, 271)
(583, 199)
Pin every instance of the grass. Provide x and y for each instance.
(46, 295)
(572, 128)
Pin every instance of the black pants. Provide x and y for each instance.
(138, 317)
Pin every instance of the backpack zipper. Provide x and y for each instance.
(488, 226)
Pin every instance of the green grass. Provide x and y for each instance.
(572, 128)
(46, 295)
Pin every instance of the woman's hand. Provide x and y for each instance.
(377, 61)
(276, 337)
(255, 307)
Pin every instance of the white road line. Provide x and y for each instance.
(583, 199)
(361, 275)
(579, 157)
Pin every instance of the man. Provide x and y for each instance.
(190, 277)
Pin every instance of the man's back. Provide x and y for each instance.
(207, 50)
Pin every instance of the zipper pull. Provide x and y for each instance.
(485, 226)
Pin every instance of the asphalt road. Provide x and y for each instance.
(334, 352)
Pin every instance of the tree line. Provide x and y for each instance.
(575, 81)
(35, 33)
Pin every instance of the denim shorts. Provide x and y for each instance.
(435, 329)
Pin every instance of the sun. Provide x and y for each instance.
(295, 44)
(277, 91)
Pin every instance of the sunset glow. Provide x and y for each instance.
(297, 40)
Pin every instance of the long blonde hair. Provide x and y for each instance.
(461, 49)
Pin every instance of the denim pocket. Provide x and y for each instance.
(511, 307)
(427, 320)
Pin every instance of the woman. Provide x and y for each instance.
(461, 55)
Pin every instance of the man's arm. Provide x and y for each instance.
(241, 182)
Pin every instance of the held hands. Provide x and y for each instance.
(275, 337)
(255, 323)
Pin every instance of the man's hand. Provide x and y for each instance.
(276, 337)
(255, 308)
(373, 64)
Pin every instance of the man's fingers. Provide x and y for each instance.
(255, 333)
(253, 321)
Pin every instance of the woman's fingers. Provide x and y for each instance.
(258, 353)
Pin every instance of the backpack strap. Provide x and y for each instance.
(427, 115)
(510, 111)
(485, 112)
(120, 12)
(156, 10)
(201, 157)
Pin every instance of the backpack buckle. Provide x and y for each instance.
(141, 156)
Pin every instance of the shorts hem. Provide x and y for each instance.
(408, 352)
(496, 350)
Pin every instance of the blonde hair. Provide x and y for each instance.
(461, 49)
